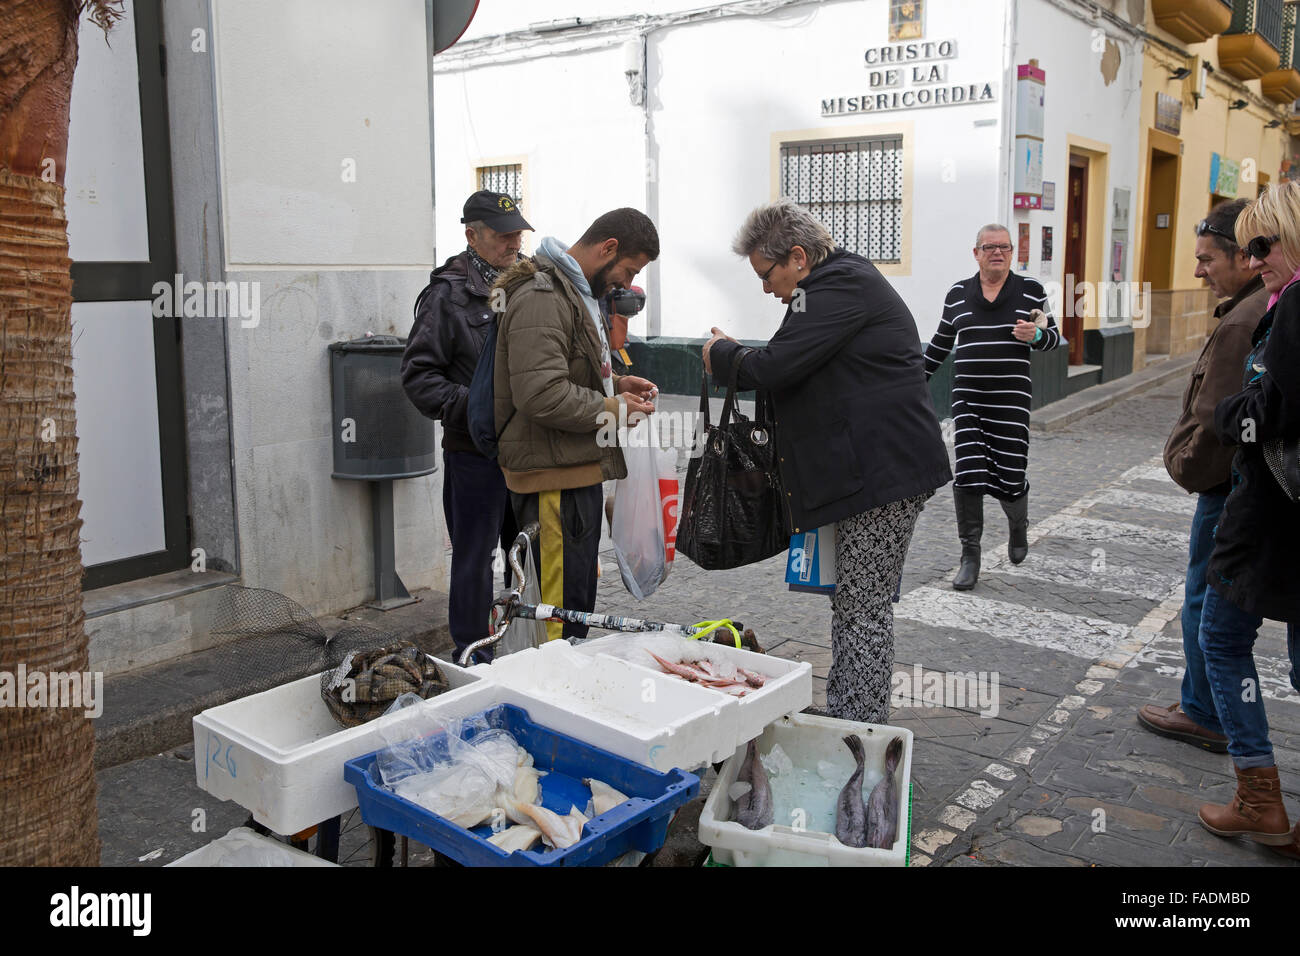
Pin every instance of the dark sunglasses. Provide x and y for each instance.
(1261, 246)
(1204, 226)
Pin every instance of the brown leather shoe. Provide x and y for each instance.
(1290, 850)
(1256, 810)
(1172, 722)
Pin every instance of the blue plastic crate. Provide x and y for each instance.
(641, 823)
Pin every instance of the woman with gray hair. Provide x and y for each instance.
(857, 439)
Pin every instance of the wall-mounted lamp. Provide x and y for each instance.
(1238, 105)
(1180, 74)
(1273, 124)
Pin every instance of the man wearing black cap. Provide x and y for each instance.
(452, 319)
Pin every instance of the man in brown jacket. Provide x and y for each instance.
(555, 388)
(1197, 462)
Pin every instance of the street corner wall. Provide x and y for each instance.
(566, 120)
(727, 94)
(1093, 105)
(324, 146)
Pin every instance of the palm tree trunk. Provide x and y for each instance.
(47, 779)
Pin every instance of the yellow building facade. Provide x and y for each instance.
(1219, 79)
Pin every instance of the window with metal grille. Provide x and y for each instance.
(855, 187)
(503, 179)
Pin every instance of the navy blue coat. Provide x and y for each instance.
(855, 424)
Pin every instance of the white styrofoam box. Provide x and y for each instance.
(654, 719)
(788, 690)
(245, 847)
(808, 740)
(280, 753)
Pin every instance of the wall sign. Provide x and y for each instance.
(1031, 96)
(906, 76)
(1049, 197)
(1047, 250)
(1169, 113)
(1022, 245)
(906, 19)
(1224, 176)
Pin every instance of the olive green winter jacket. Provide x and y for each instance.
(548, 392)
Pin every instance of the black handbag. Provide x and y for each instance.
(734, 510)
(1283, 460)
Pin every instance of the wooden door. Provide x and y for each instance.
(1076, 234)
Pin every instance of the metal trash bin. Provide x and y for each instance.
(378, 436)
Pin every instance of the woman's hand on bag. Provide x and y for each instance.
(717, 334)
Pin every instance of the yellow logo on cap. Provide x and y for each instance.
(505, 203)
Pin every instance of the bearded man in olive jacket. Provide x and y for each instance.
(555, 390)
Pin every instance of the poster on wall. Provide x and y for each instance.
(1049, 197)
(1119, 226)
(906, 20)
(1022, 245)
(1047, 250)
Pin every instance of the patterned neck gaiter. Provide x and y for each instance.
(488, 271)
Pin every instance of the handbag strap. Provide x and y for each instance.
(729, 404)
(704, 399)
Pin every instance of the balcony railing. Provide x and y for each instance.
(1264, 17)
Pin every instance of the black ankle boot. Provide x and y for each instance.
(970, 527)
(1018, 526)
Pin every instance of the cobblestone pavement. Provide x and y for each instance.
(1078, 637)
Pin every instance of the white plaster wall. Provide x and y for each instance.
(282, 129)
(305, 87)
(724, 88)
(504, 16)
(1079, 102)
(567, 119)
(718, 91)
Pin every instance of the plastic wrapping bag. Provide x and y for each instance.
(638, 525)
(463, 770)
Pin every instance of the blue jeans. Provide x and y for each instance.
(1227, 640)
(1198, 700)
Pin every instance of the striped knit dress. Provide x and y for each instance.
(991, 385)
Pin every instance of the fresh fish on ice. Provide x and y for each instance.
(752, 793)
(526, 790)
(882, 806)
(851, 811)
(603, 797)
(514, 838)
(560, 832)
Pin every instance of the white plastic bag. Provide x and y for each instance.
(638, 525)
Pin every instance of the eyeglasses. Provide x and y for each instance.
(990, 247)
(763, 275)
(1204, 226)
(1261, 246)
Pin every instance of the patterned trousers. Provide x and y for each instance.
(869, 552)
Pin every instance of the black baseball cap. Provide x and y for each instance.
(497, 210)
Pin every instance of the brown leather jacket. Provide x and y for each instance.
(1194, 457)
(548, 390)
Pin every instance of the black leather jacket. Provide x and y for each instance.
(855, 424)
(451, 323)
(1255, 563)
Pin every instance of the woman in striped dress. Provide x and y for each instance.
(987, 317)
